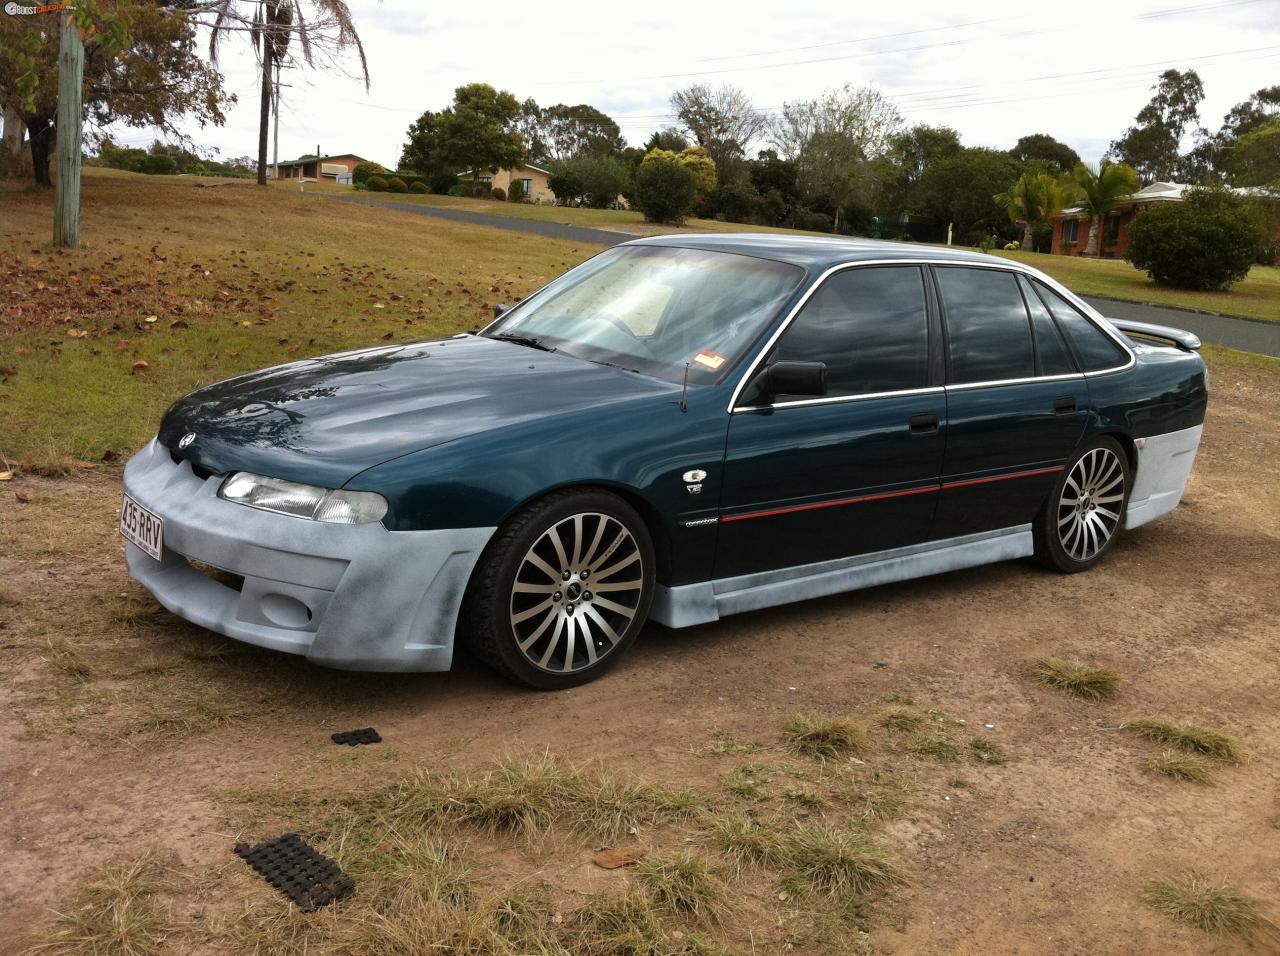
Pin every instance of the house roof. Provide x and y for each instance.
(1160, 192)
(538, 169)
(321, 159)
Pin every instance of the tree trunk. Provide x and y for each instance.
(40, 132)
(13, 130)
(1095, 227)
(1028, 238)
(264, 118)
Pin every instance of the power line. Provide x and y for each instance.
(909, 49)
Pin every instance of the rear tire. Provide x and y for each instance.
(1084, 513)
(561, 591)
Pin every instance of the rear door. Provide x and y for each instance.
(1016, 401)
(813, 479)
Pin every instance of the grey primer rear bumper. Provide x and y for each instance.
(357, 597)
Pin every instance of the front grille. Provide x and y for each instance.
(200, 472)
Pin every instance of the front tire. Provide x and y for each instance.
(561, 591)
(1084, 514)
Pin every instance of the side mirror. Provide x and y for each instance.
(500, 310)
(795, 378)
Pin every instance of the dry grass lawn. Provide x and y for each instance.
(956, 804)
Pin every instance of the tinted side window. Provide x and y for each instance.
(870, 327)
(1094, 348)
(1051, 350)
(988, 335)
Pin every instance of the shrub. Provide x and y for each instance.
(360, 175)
(457, 189)
(376, 183)
(587, 181)
(418, 187)
(396, 185)
(664, 189)
(737, 202)
(517, 192)
(498, 193)
(1206, 242)
(812, 221)
(154, 165)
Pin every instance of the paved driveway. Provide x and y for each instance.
(1249, 335)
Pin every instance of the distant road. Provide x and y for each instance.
(1249, 335)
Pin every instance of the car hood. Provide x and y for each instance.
(324, 420)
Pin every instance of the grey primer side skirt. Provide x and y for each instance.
(707, 601)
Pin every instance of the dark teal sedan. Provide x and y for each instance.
(678, 429)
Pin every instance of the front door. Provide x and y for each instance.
(813, 479)
(1016, 402)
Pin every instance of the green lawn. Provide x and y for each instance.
(1258, 296)
(200, 284)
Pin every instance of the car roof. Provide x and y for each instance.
(817, 252)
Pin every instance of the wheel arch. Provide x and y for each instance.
(659, 533)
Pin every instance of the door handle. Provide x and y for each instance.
(1064, 404)
(926, 423)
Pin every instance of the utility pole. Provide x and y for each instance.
(66, 215)
(275, 135)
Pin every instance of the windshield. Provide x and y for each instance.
(655, 309)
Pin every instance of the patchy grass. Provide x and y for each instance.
(986, 750)
(901, 719)
(1189, 738)
(841, 862)
(725, 747)
(1195, 899)
(825, 736)
(748, 780)
(684, 884)
(113, 915)
(525, 797)
(871, 803)
(1181, 766)
(935, 746)
(1074, 677)
(63, 657)
(744, 840)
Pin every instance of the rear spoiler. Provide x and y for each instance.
(1184, 340)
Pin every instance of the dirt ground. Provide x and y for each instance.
(124, 732)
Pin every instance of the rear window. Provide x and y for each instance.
(1095, 350)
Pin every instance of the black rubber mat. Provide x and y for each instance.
(298, 870)
(366, 735)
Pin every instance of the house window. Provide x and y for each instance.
(1113, 229)
(486, 180)
(1070, 231)
(528, 188)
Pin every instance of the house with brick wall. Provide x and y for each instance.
(1071, 226)
(322, 169)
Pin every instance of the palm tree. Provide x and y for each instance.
(272, 24)
(1099, 191)
(1031, 202)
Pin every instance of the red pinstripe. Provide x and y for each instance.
(889, 494)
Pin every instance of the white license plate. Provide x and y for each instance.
(139, 526)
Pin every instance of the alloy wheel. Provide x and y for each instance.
(1089, 509)
(576, 592)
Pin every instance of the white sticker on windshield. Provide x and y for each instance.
(710, 359)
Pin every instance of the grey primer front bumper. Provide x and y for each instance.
(357, 597)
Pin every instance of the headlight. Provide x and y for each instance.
(303, 501)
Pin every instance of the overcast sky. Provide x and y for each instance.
(1078, 70)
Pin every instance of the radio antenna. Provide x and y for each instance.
(684, 394)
